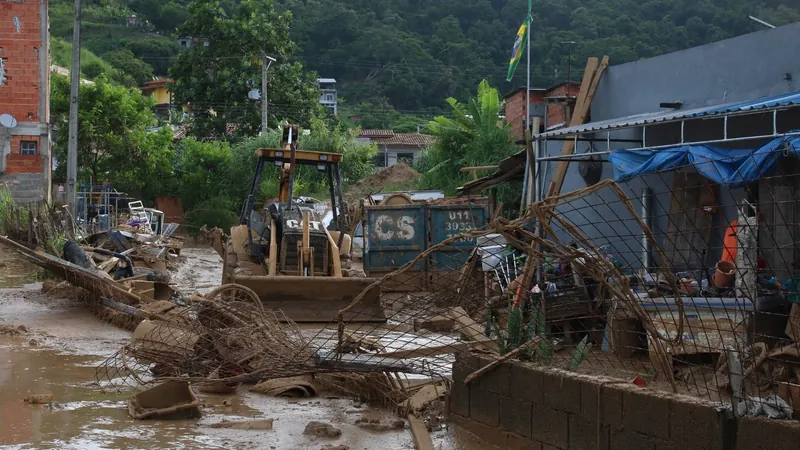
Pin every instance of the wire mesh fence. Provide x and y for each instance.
(673, 279)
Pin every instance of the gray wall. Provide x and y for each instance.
(739, 69)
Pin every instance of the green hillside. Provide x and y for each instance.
(408, 55)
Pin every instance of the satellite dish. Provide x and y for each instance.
(8, 121)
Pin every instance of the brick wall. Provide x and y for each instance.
(24, 94)
(518, 406)
(516, 110)
(557, 113)
(20, 53)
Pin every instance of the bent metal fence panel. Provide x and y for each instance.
(688, 284)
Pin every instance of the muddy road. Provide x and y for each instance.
(60, 343)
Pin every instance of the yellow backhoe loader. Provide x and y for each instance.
(286, 254)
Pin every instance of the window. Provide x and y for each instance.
(328, 97)
(27, 148)
(380, 160)
(407, 158)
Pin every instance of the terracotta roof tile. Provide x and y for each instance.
(406, 140)
(375, 133)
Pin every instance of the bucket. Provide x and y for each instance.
(724, 276)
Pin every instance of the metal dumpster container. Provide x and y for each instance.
(394, 236)
(446, 221)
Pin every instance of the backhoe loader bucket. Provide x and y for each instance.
(317, 299)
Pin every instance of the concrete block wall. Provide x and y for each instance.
(518, 406)
(25, 187)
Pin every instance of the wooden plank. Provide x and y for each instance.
(529, 137)
(471, 330)
(423, 397)
(422, 439)
(591, 79)
(489, 367)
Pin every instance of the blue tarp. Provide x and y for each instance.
(734, 168)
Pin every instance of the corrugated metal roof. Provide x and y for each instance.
(776, 101)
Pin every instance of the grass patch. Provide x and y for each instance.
(61, 55)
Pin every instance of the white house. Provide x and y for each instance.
(394, 147)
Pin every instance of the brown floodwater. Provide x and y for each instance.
(15, 272)
(66, 343)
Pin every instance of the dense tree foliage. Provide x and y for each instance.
(114, 140)
(395, 58)
(472, 137)
(417, 52)
(214, 76)
(213, 178)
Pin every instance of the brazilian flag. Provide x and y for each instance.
(519, 46)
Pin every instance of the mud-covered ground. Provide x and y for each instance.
(60, 344)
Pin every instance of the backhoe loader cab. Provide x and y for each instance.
(285, 253)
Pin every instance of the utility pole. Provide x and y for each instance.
(569, 60)
(75, 84)
(268, 60)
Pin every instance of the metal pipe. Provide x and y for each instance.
(524, 201)
(338, 174)
(644, 136)
(647, 219)
(333, 199)
(571, 138)
(626, 126)
(244, 218)
(683, 128)
(725, 128)
(536, 171)
(292, 167)
(775, 122)
(657, 147)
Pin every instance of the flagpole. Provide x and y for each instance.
(528, 84)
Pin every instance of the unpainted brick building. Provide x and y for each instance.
(553, 106)
(25, 143)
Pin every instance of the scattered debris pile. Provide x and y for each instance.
(397, 176)
(120, 299)
(225, 338)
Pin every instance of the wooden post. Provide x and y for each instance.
(591, 79)
(530, 193)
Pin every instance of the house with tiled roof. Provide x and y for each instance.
(394, 147)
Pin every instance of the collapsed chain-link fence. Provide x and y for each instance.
(670, 279)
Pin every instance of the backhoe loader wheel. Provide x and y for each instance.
(229, 264)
